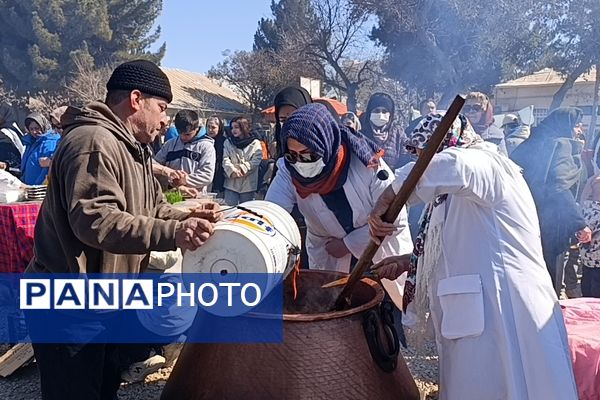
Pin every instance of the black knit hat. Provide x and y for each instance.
(142, 75)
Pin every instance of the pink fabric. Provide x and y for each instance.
(582, 319)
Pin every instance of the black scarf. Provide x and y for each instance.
(241, 143)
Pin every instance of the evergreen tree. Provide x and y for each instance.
(40, 39)
(290, 17)
(450, 46)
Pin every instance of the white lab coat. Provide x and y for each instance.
(362, 189)
(499, 328)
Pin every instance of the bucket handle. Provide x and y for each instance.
(384, 355)
(294, 250)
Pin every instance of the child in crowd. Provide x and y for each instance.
(190, 152)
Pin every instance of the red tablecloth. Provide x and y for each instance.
(582, 319)
(17, 222)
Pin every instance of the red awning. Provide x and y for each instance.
(339, 107)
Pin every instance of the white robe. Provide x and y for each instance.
(499, 328)
(362, 189)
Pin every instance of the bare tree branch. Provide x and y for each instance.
(87, 83)
(335, 42)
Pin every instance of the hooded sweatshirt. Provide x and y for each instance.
(36, 148)
(197, 158)
(104, 211)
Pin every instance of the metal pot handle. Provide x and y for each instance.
(384, 355)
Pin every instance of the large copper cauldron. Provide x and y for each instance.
(324, 355)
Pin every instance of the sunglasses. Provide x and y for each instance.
(293, 157)
(472, 108)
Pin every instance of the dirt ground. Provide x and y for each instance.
(24, 383)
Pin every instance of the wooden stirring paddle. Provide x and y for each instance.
(343, 300)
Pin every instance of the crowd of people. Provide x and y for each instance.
(29, 155)
(480, 250)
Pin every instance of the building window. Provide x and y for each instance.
(539, 114)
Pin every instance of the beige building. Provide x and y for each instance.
(539, 88)
(197, 92)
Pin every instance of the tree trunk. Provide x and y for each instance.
(430, 94)
(351, 101)
(559, 96)
(592, 129)
(447, 96)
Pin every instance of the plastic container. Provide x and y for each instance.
(260, 238)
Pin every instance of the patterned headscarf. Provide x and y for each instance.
(313, 126)
(461, 133)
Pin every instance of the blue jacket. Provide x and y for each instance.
(43, 146)
(171, 133)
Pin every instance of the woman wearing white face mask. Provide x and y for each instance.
(378, 125)
(334, 175)
(379, 117)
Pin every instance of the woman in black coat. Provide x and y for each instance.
(215, 129)
(552, 167)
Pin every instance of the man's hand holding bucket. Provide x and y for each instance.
(208, 210)
(193, 233)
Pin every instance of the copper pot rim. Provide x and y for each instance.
(329, 315)
(376, 300)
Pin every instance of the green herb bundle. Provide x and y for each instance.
(174, 196)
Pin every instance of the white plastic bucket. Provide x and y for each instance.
(244, 242)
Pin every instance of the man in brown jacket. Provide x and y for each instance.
(103, 213)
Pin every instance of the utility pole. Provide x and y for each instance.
(592, 129)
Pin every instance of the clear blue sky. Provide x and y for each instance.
(198, 31)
